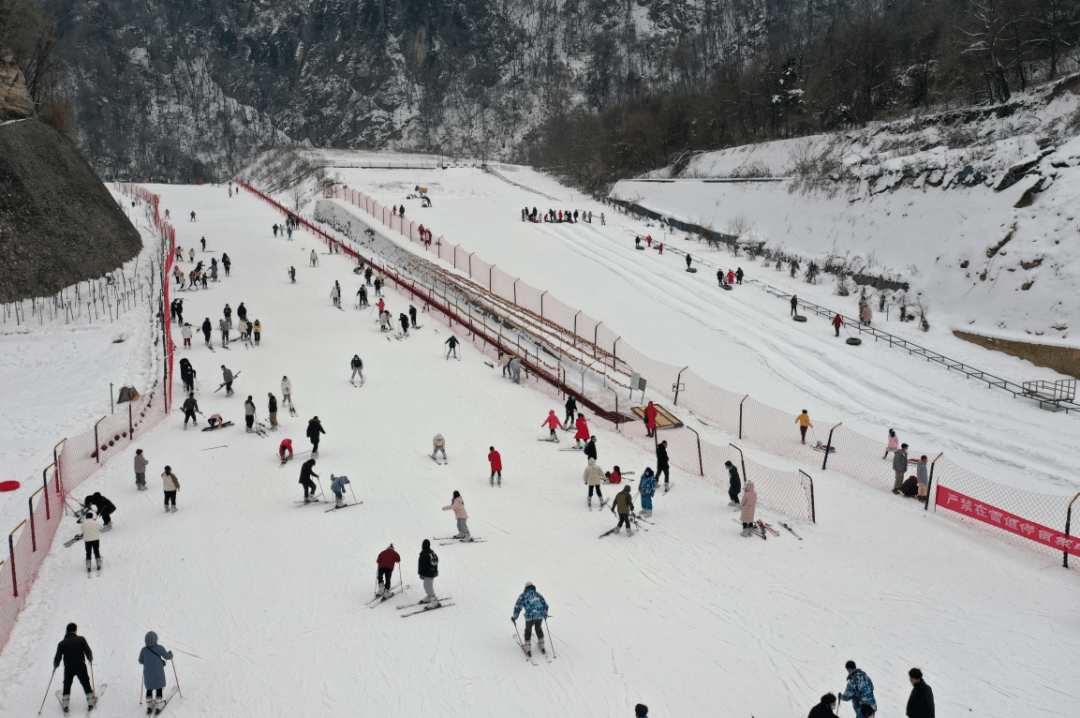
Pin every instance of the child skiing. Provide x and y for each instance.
(337, 485)
(624, 504)
(457, 505)
(439, 444)
(153, 657)
(496, 465)
(552, 422)
(536, 610)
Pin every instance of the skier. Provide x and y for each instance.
(187, 375)
(662, 466)
(594, 476)
(428, 568)
(286, 391)
(496, 465)
(412, 316)
(357, 368)
(271, 409)
(452, 342)
(739, 275)
(624, 504)
(614, 476)
(650, 420)
(825, 708)
(104, 508)
(590, 448)
(749, 505)
(203, 241)
(192, 217)
(227, 313)
(894, 443)
(515, 370)
(552, 422)
(241, 313)
(647, 487)
(921, 701)
(185, 332)
(171, 485)
(191, 407)
(734, 484)
(571, 409)
(794, 306)
(582, 431)
(292, 275)
(602, 222)
(335, 295)
(314, 258)
(440, 445)
(249, 413)
(207, 330)
(403, 320)
(504, 363)
(257, 328)
(74, 651)
(91, 534)
(223, 327)
(361, 300)
(922, 477)
(378, 286)
(899, 464)
(457, 505)
(382, 306)
(314, 428)
(306, 472)
(860, 690)
(286, 445)
(275, 229)
(384, 321)
(803, 420)
(367, 275)
(688, 260)
(227, 376)
(837, 322)
(386, 562)
(140, 470)
(337, 485)
(152, 658)
(536, 610)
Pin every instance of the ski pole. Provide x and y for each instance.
(47, 690)
(142, 682)
(548, 627)
(93, 682)
(353, 494)
(517, 631)
(177, 679)
(320, 486)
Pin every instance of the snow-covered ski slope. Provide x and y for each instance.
(264, 600)
(744, 340)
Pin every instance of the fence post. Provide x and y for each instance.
(701, 465)
(740, 414)
(618, 424)
(742, 460)
(542, 304)
(489, 278)
(828, 446)
(575, 326)
(131, 423)
(515, 290)
(1068, 526)
(11, 551)
(33, 531)
(813, 505)
(614, 351)
(678, 383)
(930, 483)
(97, 444)
(470, 264)
(45, 485)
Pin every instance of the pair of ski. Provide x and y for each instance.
(444, 462)
(617, 527)
(91, 574)
(165, 701)
(335, 508)
(315, 499)
(219, 426)
(553, 440)
(759, 528)
(235, 377)
(381, 599)
(99, 692)
(447, 540)
(439, 603)
(529, 655)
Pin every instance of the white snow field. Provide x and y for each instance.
(263, 600)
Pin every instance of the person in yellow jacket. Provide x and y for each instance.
(803, 420)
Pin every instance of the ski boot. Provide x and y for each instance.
(87, 567)
(339, 503)
(541, 647)
(732, 503)
(65, 702)
(91, 701)
(107, 527)
(528, 649)
(746, 532)
(99, 564)
(629, 532)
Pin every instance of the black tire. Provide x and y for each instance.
(692, 270)
(727, 287)
(854, 341)
(799, 318)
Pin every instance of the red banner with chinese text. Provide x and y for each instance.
(965, 505)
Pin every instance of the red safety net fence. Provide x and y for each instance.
(77, 458)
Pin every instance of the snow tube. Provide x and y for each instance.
(639, 247)
(799, 318)
(9, 485)
(692, 270)
(854, 341)
(727, 287)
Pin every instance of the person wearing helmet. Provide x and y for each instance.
(536, 610)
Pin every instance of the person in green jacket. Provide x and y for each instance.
(624, 504)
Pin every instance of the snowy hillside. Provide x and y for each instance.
(262, 599)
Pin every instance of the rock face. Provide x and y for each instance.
(15, 103)
(58, 223)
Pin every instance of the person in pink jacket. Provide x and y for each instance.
(458, 507)
(894, 444)
(749, 504)
(496, 465)
(582, 431)
(553, 423)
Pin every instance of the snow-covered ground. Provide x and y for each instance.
(263, 599)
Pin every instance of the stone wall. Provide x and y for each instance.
(1061, 359)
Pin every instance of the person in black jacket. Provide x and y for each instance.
(734, 484)
(428, 568)
(825, 708)
(207, 330)
(104, 508)
(662, 463)
(187, 375)
(74, 651)
(920, 703)
(314, 428)
(191, 406)
(590, 448)
(306, 472)
(241, 312)
(571, 411)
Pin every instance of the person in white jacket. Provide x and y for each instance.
(171, 484)
(91, 533)
(286, 391)
(440, 445)
(457, 505)
(594, 475)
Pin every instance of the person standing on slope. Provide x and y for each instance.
(536, 610)
(650, 418)
(734, 484)
(921, 701)
(249, 413)
(187, 375)
(794, 305)
(590, 448)
(496, 465)
(335, 295)
(803, 420)
(91, 533)
(439, 444)
(141, 463)
(739, 275)
(594, 476)
(152, 658)
(624, 504)
(457, 505)
(271, 410)
(307, 470)
(749, 505)
(412, 316)
(357, 368)
(190, 407)
(223, 327)
(515, 369)
(314, 428)
(386, 562)
(337, 485)
(504, 363)
(837, 322)
(452, 342)
(185, 332)
(899, 465)
(571, 409)
(403, 320)
(286, 392)
(647, 487)
(314, 258)
(74, 651)
(662, 467)
(428, 568)
(552, 422)
(582, 431)
(171, 485)
(207, 330)
(860, 690)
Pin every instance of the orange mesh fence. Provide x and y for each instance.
(709, 401)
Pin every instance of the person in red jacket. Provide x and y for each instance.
(650, 420)
(661, 248)
(730, 277)
(614, 476)
(386, 562)
(286, 445)
(553, 423)
(496, 465)
(582, 431)
(837, 322)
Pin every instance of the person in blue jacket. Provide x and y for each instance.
(536, 610)
(860, 691)
(153, 658)
(648, 490)
(337, 485)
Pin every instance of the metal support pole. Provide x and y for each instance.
(701, 464)
(678, 383)
(542, 304)
(33, 531)
(740, 414)
(742, 461)
(828, 446)
(813, 505)
(930, 483)
(1068, 527)
(97, 443)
